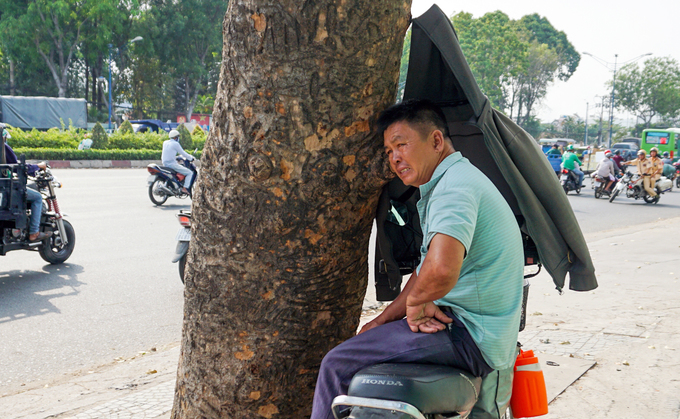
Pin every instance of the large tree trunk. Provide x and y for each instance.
(290, 178)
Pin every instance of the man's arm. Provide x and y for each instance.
(438, 275)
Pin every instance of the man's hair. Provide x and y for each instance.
(423, 115)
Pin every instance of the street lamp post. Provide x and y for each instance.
(607, 65)
(121, 49)
(611, 110)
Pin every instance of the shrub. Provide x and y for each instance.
(75, 154)
(126, 128)
(126, 141)
(184, 137)
(197, 132)
(53, 138)
(99, 137)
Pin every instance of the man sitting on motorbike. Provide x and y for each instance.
(461, 307)
(33, 197)
(618, 160)
(171, 148)
(555, 150)
(667, 158)
(646, 170)
(569, 161)
(605, 170)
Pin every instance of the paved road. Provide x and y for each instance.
(116, 295)
(119, 293)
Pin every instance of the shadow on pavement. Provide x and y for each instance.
(30, 293)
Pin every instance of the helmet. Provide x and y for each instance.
(666, 154)
(654, 149)
(173, 134)
(607, 152)
(641, 151)
(570, 147)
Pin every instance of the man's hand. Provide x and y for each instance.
(42, 165)
(370, 325)
(426, 318)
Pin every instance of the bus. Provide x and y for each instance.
(662, 139)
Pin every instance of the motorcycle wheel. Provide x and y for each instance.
(677, 182)
(54, 252)
(566, 189)
(157, 197)
(648, 199)
(614, 195)
(578, 191)
(182, 265)
(598, 192)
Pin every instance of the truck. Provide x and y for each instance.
(43, 112)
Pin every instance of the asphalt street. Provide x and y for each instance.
(119, 294)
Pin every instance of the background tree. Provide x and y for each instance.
(189, 41)
(651, 92)
(494, 50)
(54, 27)
(290, 178)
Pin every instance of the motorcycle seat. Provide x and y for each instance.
(168, 171)
(432, 389)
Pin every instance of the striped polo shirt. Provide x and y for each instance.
(461, 202)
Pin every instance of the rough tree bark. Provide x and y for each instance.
(290, 178)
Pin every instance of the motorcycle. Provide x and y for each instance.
(164, 182)
(569, 181)
(631, 183)
(677, 174)
(183, 239)
(600, 184)
(15, 215)
(416, 391)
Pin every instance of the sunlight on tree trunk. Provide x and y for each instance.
(290, 178)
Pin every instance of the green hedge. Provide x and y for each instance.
(55, 138)
(75, 154)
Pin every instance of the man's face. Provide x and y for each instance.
(652, 153)
(412, 157)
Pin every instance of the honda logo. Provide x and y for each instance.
(382, 382)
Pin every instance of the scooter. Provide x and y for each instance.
(416, 391)
(14, 215)
(183, 238)
(600, 184)
(164, 182)
(677, 174)
(569, 181)
(631, 183)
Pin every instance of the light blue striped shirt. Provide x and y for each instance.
(461, 202)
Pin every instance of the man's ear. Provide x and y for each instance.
(438, 140)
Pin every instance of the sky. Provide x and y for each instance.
(601, 27)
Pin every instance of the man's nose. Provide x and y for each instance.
(395, 157)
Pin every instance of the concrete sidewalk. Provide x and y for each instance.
(612, 351)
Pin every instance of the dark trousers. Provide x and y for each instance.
(394, 343)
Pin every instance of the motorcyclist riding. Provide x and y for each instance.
(618, 160)
(33, 197)
(647, 170)
(667, 158)
(605, 169)
(569, 161)
(171, 148)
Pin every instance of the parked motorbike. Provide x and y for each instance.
(600, 184)
(15, 215)
(183, 239)
(631, 183)
(569, 181)
(164, 182)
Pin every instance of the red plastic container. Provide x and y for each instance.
(529, 397)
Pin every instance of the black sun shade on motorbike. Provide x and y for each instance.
(502, 150)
